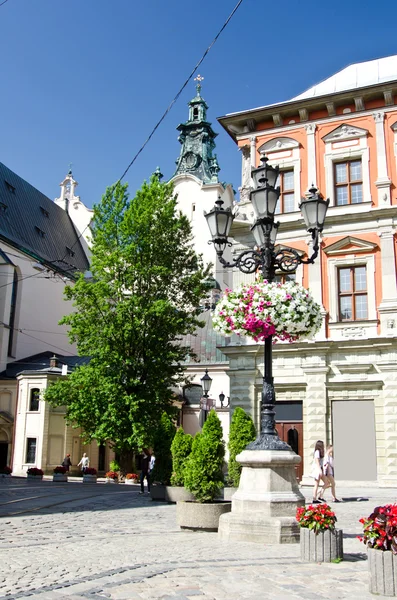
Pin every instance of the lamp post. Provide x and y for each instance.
(206, 382)
(268, 259)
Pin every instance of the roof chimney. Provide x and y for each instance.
(53, 362)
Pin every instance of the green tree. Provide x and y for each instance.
(181, 448)
(242, 432)
(203, 473)
(147, 283)
(162, 441)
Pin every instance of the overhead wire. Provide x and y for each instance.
(180, 91)
(3, 2)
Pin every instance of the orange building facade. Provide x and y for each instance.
(341, 136)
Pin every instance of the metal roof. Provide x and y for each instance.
(35, 224)
(206, 343)
(358, 75)
(40, 363)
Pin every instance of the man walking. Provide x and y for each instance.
(145, 464)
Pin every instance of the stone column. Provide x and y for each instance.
(383, 181)
(253, 151)
(311, 154)
(316, 287)
(314, 412)
(388, 306)
(245, 174)
(386, 425)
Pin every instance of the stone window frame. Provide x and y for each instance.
(351, 261)
(275, 149)
(30, 409)
(345, 151)
(30, 437)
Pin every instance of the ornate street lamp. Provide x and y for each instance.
(268, 259)
(206, 382)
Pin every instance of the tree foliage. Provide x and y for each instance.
(147, 283)
(203, 473)
(162, 441)
(181, 448)
(242, 432)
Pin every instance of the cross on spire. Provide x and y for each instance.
(199, 79)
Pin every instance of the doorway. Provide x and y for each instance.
(354, 438)
(289, 425)
(3, 454)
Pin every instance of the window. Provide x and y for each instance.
(10, 187)
(69, 251)
(40, 231)
(34, 399)
(195, 113)
(352, 293)
(285, 277)
(45, 212)
(286, 201)
(13, 310)
(348, 182)
(31, 444)
(3, 207)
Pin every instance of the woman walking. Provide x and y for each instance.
(329, 474)
(317, 469)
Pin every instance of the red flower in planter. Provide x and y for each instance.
(34, 471)
(112, 475)
(380, 528)
(132, 476)
(5, 471)
(61, 470)
(90, 471)
(318, 517)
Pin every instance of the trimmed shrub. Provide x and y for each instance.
(242, 432)
(114, 465)
(162, 441)
(181, 448)
(203, 472)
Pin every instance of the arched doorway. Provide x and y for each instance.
(3, 449)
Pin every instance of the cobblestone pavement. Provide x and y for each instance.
(74, 541)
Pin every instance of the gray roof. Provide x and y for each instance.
(40, 363)
(35, 224)
(207, 343)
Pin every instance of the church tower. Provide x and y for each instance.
(198, 142)
(196, 181)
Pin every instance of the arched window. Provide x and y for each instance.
(195, 113)
(13, 308)
(34, 400)
(293, 437)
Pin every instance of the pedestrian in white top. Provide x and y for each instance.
(317, 469)
(329, 474)
(84, 463)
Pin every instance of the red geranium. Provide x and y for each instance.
(380, 528)
(131, 476)
(61, 470)
(318, 517)
(112, 475)
(90, 471)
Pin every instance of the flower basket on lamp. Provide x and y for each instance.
(90, 475)
(380, 537)
(112, 477)
(320, 541)
(34, 474)
(60, 474)
(285, 311)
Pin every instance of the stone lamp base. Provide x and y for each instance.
(264, 506)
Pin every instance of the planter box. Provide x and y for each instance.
(382, 572)
(130, 481)
(5, 475)
(325, 546)
(60, 477)
(89, 478)
(197, 516)
(157, 492)
(110, 480)
(34, 477)
(175, 494)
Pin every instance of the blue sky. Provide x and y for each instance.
(84, 81)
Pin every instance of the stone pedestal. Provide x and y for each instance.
(264, 506)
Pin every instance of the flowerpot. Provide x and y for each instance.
(34, 477)
(60, 477)
(131, 481)
(324, 546)
(201, 516)
(382, 572)
(157, 492)
(110, 480)
(89, 478)
(174, 493)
